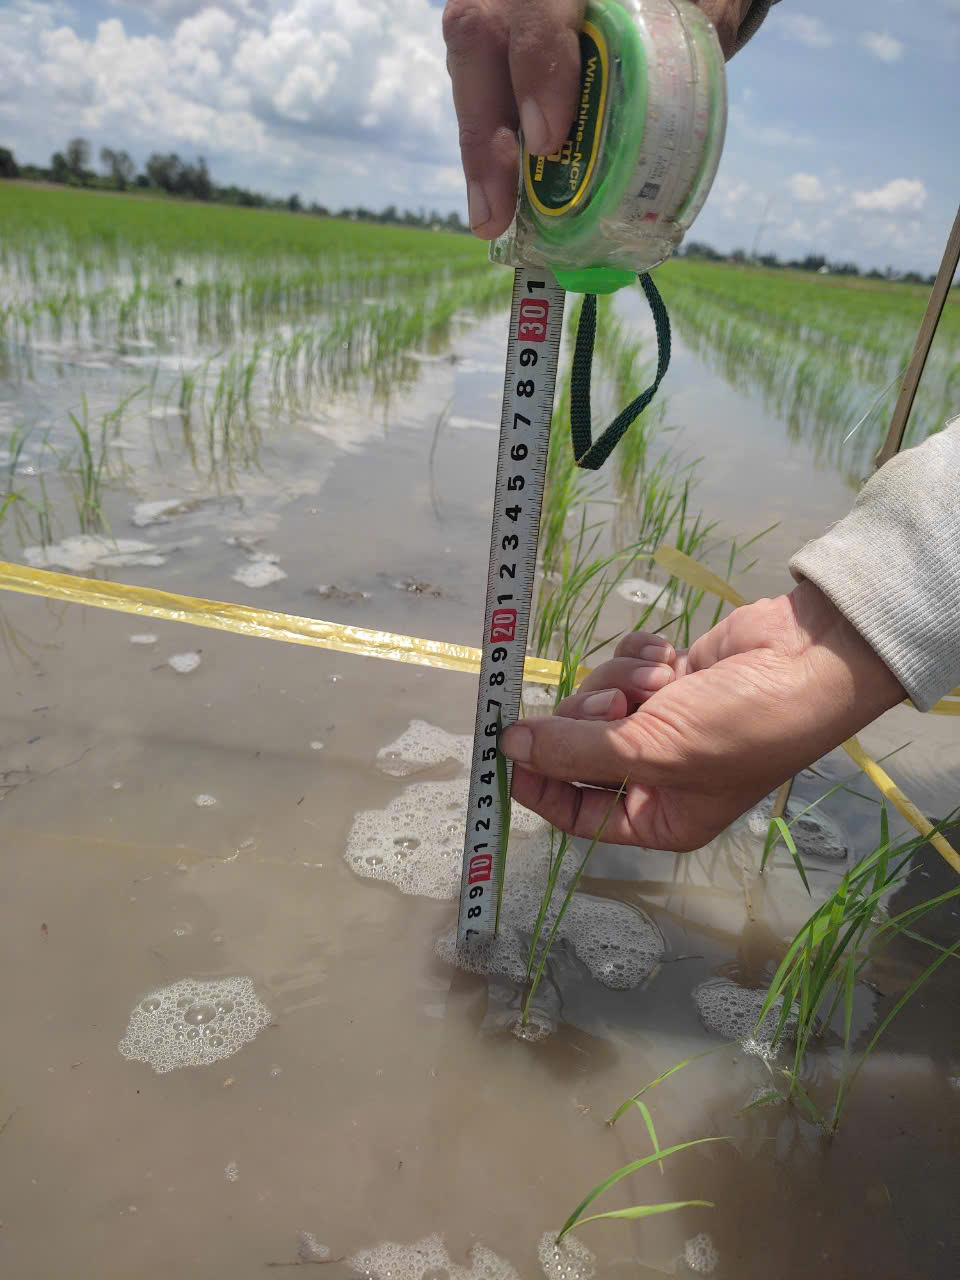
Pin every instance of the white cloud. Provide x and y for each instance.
(284, 83)
(802, 27)
(749, 129)
(806, 187)
(899, 196)
(882, 45)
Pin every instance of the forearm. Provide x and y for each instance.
(892, 566)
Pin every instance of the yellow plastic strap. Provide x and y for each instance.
(884, 783)
(244, 620)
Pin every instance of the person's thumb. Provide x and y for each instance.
(545, 68)
(587, 750)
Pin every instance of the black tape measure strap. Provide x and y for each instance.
(589, 454)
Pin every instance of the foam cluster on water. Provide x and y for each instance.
(700, 1255)
(193, 1022)
(184, 663)
(416, 844)
(85, 551)
(261, 570)
(815, 834)
(421, 746)
(619, 945)
(568, 1260)
(538, 695)
(732, 1011)
(428, 1259)
(639, 590)
(311, 1250)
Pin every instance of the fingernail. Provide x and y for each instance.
(478, 206)
(650, 678)
(655, 652)
(534, 125)
(517, 743)
(598, 704)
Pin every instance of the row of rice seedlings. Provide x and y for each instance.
(821, 389)
(371, 340)
(217, 402)
(206, 310)
(102, 228)
(865, 316)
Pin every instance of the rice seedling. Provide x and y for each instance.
(86, 471)
(637, 1211)
(818, 975)
(537, 957)
(503, 794)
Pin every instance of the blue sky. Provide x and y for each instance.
(843, 118)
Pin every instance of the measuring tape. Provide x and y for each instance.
(614, 201)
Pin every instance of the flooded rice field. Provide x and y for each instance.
(236, 1035)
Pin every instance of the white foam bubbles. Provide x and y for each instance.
(619, 945)
(184, 663)
(538, 695)
(639, 590)
(204, 801)
(310, 1249)
(260, 571)
(85, 551)
(568, 1260)
(416, 844)
(144, 638)
(428, 1259)
(816, 835)
(148, 513)
(193, 1022)
(700, 1255)
(732, 1011)
(421, 746)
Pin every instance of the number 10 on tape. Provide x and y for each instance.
(533, 350)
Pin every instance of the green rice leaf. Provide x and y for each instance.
(640, 1211)
(648, 1121)
(503, 787)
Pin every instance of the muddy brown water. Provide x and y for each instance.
(386, 1100)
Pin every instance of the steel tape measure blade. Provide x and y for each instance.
(533, 354)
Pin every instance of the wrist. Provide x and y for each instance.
(849, 673)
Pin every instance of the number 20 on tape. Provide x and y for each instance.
(532, 324)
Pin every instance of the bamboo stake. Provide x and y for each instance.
(928, 327)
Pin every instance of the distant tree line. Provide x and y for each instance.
(187, 180)
(812, 262)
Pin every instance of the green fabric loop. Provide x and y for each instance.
(587, 453)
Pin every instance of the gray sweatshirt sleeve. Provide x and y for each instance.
(892, 566)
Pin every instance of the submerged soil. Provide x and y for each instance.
(162, 825)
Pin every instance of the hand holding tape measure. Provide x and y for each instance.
(612, 203)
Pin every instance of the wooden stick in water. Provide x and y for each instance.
(928, 327)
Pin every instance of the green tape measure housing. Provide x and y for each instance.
(641, 155)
